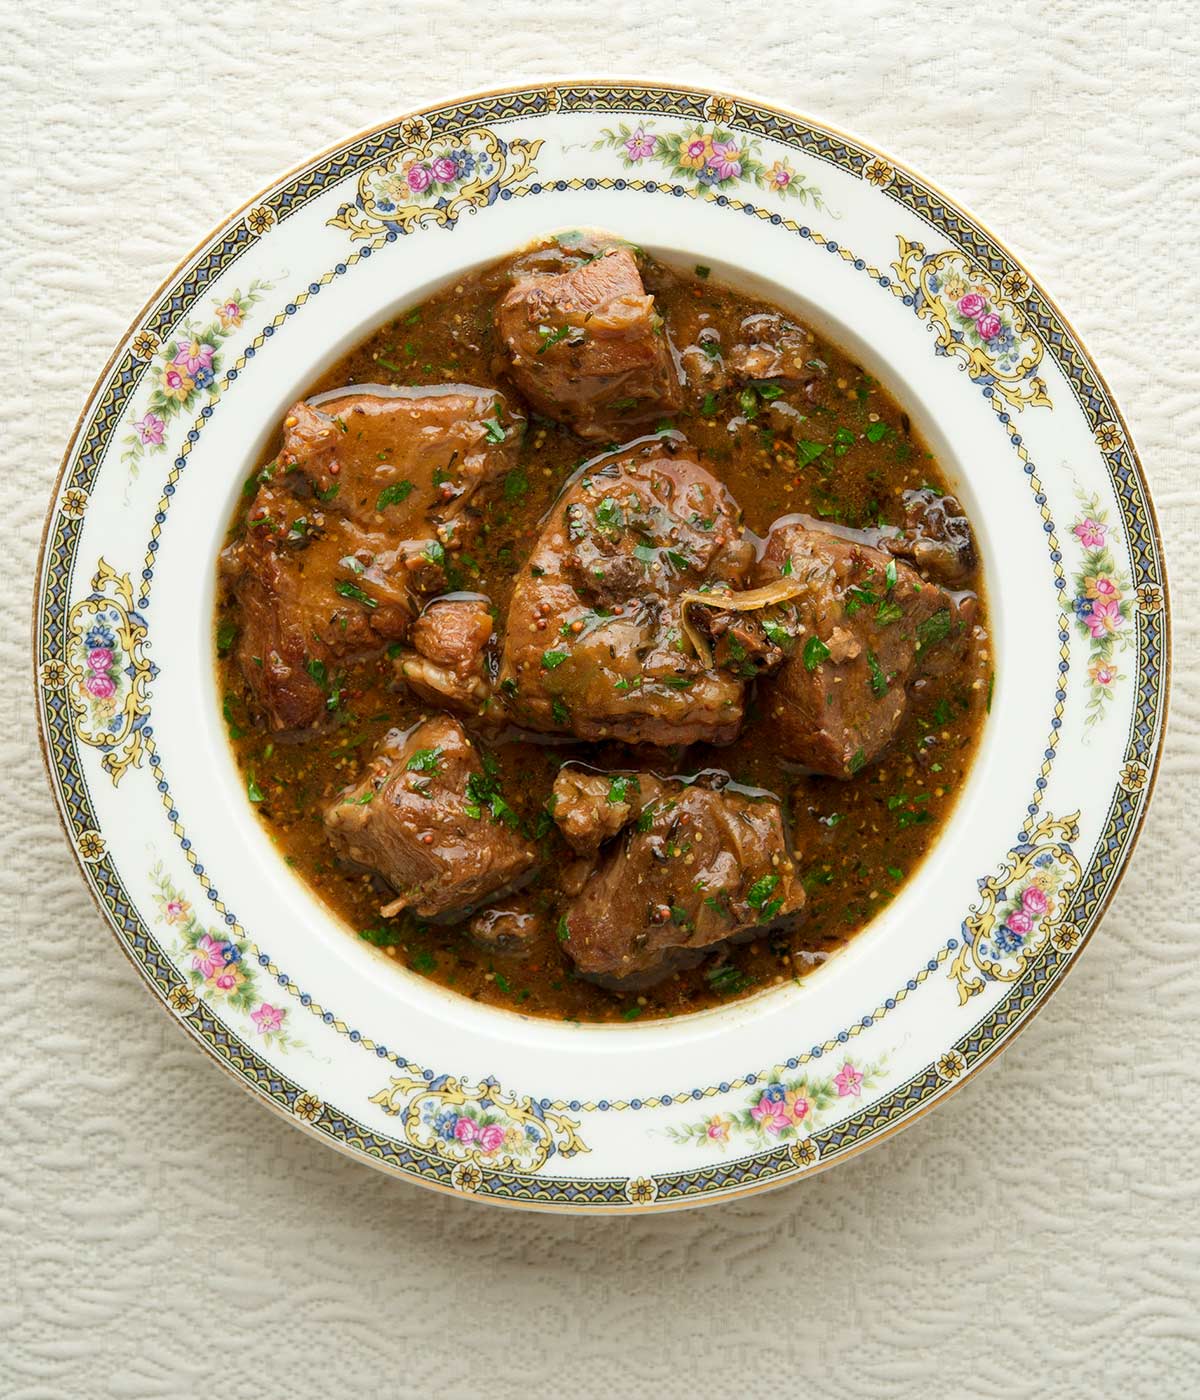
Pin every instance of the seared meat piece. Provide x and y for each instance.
(402, 459)
(866, 625)
(594, 644)
(351, 527)
(590, 806)
(936, 538)
(699, 867)
(772, 347)
(587, 347)
(419, 816)
(448, 665)
(509, 927)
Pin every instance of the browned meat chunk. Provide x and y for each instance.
(865, 626)
(448, 665)
(936, 538)
(772, 347)
(587, 347)
(594, 644)
(699, 867)
(401, 459)
(590, 807)
(353, 525)
(512, 926)
(420, 817)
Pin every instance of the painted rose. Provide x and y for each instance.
(209, 955)
(175, 383)
(228, 979)
(230, 315)
(1102, 672)
(780, 175)
(1090, 533)
(175, 911)
(972, 305)
(771, 1115)
(491, 1137)
(100, 659)
(267, 1018)
(1101, 586)
(717, 1128)
(1019, 922)
(695, 153)
(989, 326)
(98, 684)
(640, 146)
(1104, 617)
(797, 1105)
(151, 429)
(465, 1130)
(418, 178)
(848, 1081)
(725, 160)
(192, 356)
(444, 168)
(1034, 900)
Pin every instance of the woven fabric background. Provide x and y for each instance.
(161, 1236)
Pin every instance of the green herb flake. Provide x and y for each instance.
(876, 432)
(857, 759)
(815, 652)
(761, 890)
(424, 761)
(645, 553)
(435, 552)
(553, 659)
(879, 682)
(226, 636)
(709, 407)
(631, 1013)
(808, 452)
(748, 400)
(702, 272)
(253, 791)
(352, 590)
(564, 933)
(392, 495)
(889, 611)
(933, 629)
(726, 979)
(560, 712)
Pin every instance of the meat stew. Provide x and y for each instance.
(598, 641)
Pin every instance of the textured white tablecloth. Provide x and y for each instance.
(163, 1236)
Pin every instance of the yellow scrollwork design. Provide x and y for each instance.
(434, 180)
(976, 320)
(1021, 908)
(480, 1124)
(108, 675)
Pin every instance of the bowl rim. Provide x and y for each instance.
(952, 203)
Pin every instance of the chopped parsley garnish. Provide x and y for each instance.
(807, 452)
(857, 759)
(843, 441)
(646, 818)
(253, 791)
(991, 684)
(435, 552)
(876, 432)
(888, 611)
(709, 406)
(352, 590)
(748, 400)
(227, 704)
(516, 483)
(553, 337)
(424, 761)
(494, 429)
(483, 790)
(552, 659)
(777, 635)
(564, 933)
(609, 515)
(330, 494)
(620, 787)
(879, 682)
(392, 495)
(316, 669)
(226, 636)
(377, 937)
(702, 272)
(680, 561)
(889, 575)
(631, 1013)
(786, 571)
(768, 392)
(645, 553)
(560, 712)
(761, 890)
(677, 682)
(933, 629)
(815, 652)
(726, 979)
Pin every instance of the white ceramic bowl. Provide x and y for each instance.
(380, 1062)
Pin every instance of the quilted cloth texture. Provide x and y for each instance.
(161, 1236)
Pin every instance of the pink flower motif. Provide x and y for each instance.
(465, 1129)
(491, 1137)
(267, 1018)
(1090, 533)
(230, 314)
(848, 1080)
(100, 659)
(1105, 616)
(1103, 672)
(771, 1115)
(176, 910)
(193, 356)
(209, 956)
(972, 305)
(151, 429)
(418, 178)
(640, 145)
(176, 384)
(98, 684)
(1019, 922)
(445, 168)
(725, 160)
(696, 149)
(1033, 901)
(717, 1128)
(989, 326)
(226, 981)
